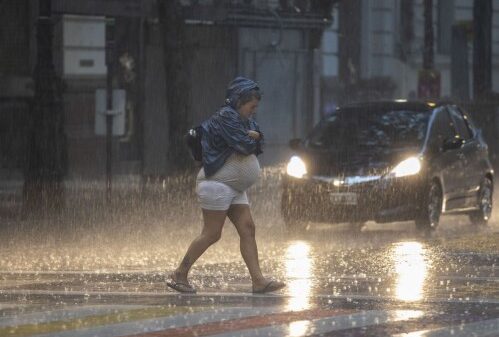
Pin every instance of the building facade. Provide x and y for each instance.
(308, 56)
(391, 42)
(273, 42)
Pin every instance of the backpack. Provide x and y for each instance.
(193, 141)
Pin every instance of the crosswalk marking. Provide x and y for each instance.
(68, 313)
(224, 322)
(162, 323)
(329, 324)
(477, 329)
(51, 326)
(254, 322)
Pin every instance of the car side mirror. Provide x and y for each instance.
(452, 143)
(294, 143)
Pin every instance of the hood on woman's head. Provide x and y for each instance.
(238, 86)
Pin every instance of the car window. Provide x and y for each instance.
(442, 128)
(461, 127)
(370, 128)
(469, 121)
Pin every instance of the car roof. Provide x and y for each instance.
(397, 105)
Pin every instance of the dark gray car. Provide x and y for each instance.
(389, 161)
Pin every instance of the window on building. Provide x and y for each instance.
(330, 53)
(84, 46)
(329, 46)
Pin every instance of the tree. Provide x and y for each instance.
(46, 160)
(177, 81)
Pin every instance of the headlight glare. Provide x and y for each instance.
(408, 167)
(296, 167)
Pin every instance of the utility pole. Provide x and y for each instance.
(46, 161)
(460, 88)
(428, 52)
(109, 105)
(178, 89)
(429, 77)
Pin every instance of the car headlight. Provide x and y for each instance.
(296, 167)
(408, 167)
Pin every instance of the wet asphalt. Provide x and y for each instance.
(384, 280)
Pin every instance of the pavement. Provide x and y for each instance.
(384, 281)
(100, 274)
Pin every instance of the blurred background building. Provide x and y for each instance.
(308, 56)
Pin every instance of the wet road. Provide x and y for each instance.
(387, 280)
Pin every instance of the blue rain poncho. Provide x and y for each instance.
(226, 131)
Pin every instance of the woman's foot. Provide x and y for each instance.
(267, 286)
(179, 283)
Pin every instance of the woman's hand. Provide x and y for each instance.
(254, 134)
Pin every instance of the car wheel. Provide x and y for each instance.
(431, 208)
(485, 195)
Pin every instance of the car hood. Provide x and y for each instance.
(350, 163)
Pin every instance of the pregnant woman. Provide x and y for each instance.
(231, 141)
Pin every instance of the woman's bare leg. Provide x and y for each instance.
(240, 216)
(212, 230)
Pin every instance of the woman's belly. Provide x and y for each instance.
(239, 172)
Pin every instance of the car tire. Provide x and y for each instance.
(485, 202)
(431, 209)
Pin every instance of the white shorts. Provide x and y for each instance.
(216, 196)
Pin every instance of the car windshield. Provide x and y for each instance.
(352, 128)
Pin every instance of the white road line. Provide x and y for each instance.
(27, 292)
(469, 279)
(16, 319)
(476, 329)
(162, 272)
(329, 324)
(84, 293)
(85, 272)
(4, 306)
(163, 323)
(363, 278)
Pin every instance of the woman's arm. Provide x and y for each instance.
(235, 134)
(254, 134)
(261, 139)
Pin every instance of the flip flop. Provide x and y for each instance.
(269, 287)
(181, 287)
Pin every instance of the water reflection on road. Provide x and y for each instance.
(395, 262)
(409, 263)
(299, 275)
(411, 269)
